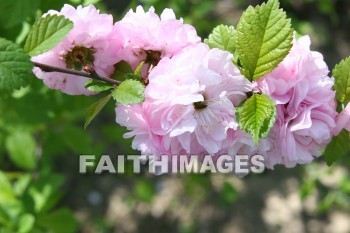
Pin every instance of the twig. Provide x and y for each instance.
(47, 68)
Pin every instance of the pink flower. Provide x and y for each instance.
(93, 43)
(190, 102)
(134, 118)
(343, 120)
(150, 37)
(306, 107)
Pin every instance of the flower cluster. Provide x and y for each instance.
(93, 43)
(190, 104)
(306, 107)
(192, 92)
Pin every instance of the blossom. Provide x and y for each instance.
(149, 37)
(92, 44)
(190, 104)
(306, 107)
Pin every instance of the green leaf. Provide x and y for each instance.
(257, 116)
(122, 68)
(26, 223)
(139, 69)
(228, 194)
(129, 92)
(144, 190)
(97, 86)
(95, 109)
(60, 221)
(15, 66)
(14, 12)
(21, 148)
(264, 38)
(133, 76)
(341, 74)
(222, 37)
(46, 33)
(338, 148)
(44, 192)
(5, 185)
(6, 193)
(22, 184)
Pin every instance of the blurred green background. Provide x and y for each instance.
(41, 136)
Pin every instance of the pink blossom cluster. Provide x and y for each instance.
(96, 43)
(190, 104)
(306, 107)
(93, 42)
(193, 91)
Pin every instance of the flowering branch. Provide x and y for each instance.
(47, 68)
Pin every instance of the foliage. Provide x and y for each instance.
(222, 37)
(341, 74)
(257, 116)
(15, 66)
(264, 38)
(46, 33)
(129, 92)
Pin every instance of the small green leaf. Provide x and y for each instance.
(46, 33)
(60, 221)
(129, 92)
(15, 66)
(139, 69)
(44, 191)
(338, 148)
(6, 193)
(97, 86)
(264, 38)
(341, 74)
(95, 109)
(121, 69)
(26, 223)
(21, 148)
(22, 184)
(257, 116)
(222, 37)
(144, 190)
(228, 194)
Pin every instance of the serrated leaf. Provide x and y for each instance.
(121, 69)
(97, 86)
(21, 148)
(46, 33)
(264, 38)
(341, 74)
(133, 76)
(222, 37)
(257, 116)
(337, 148)
(15, 66)
(129, 92)
(94, 109)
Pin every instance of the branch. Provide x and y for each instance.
(47, 68)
